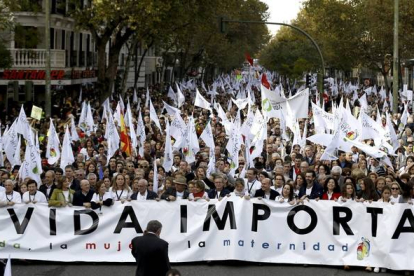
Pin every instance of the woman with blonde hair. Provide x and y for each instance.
(120, 190)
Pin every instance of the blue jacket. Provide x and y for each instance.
(316, 192)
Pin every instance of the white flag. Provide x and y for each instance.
(17, 159)
(147, 98)
(22, 125)
(80, 95)
(10, 142)
(8, 269)
(141, 133)
(201, 102)
(112, 136)
(32, 165)
(67, 157)
(74, 134)
(135, 97)
(207, 136)
(154, 117)
(191, 142)
(168, 152)
(155, 179)
(393, 135)
(170, 109)
(172, 95)
(53, 144)
(132, 133)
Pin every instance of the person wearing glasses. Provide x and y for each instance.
(396, 196)
(143, 193)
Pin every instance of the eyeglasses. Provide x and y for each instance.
(394, 189)
(150, 185)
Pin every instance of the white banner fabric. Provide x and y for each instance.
(319, 232)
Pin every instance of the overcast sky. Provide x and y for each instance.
(282, 11)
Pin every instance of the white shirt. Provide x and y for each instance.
(14, 197)
(251, 187)
(279, 190)
(395, 199)
(279, 198)
(38, 197)
(2, 189)
(96, 197)
(3, 200)
(179, 196)
(142, 197)
(120, 194)
(309, 191)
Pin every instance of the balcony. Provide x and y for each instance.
(36, 58)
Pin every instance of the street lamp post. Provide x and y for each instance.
(48, 104)
(395, 60)
(321, 73)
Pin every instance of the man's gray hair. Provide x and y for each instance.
(336, 169)
(91, 175)
(154, 226)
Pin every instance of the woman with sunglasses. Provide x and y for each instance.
(396, 196)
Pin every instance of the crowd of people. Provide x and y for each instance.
(285, 172)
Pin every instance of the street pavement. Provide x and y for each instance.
(228, 268)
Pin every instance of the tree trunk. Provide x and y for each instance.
(131, 51)
(138, 68)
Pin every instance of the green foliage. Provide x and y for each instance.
(6, 60)
(350, 33)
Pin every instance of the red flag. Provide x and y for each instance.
(249, 58)
(265, 82)
(125, 141)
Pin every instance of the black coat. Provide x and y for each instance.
(173, 192)
(213, 193)
(79, 198)
(43, 189)
(151, 255)
(150, 195)
(273, 194)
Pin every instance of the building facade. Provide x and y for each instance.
(73, 56)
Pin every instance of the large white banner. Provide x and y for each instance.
(323, 232)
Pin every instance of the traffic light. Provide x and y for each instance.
(308, 80)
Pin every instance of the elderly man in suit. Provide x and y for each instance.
(151, 252)
(219, 191)
(266, 192)
(178, 192)
(143, 192)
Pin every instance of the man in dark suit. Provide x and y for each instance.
(143, 192)
(178, 192)
(312, 189)
(151, 252)
(219, 191)
(48, 184)
(84, 196)
(266, 192)
(70, 175)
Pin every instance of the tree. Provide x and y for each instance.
(355, 33)
(6, 23)
(114, 22)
